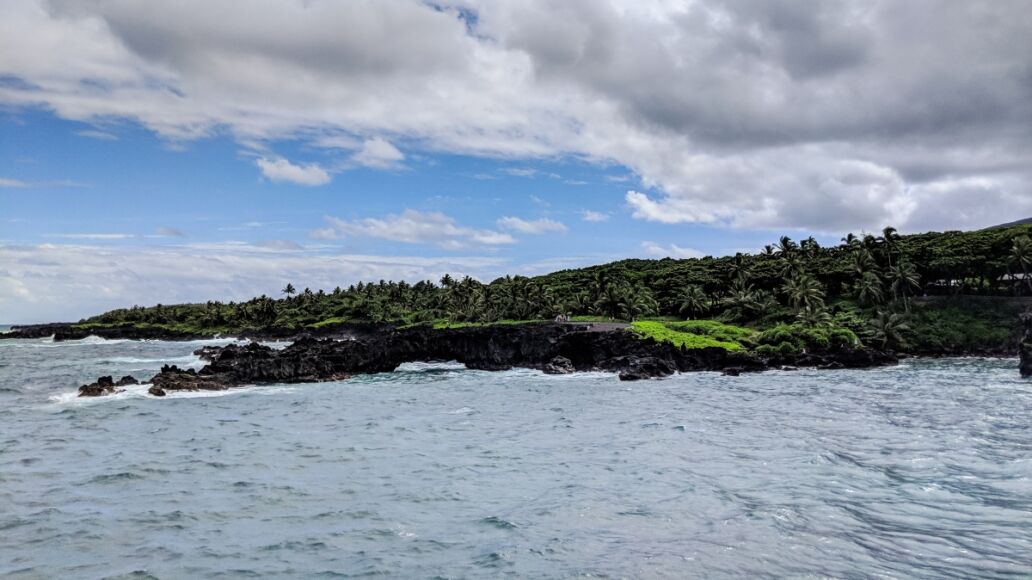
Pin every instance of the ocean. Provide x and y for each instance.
(922, 470)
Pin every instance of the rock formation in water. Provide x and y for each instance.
(1025, 348)
(552, 348)
(106, 386)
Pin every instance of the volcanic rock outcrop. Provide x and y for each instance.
(1025, 348)
(552, 348)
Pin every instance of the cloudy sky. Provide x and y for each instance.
(168, 151)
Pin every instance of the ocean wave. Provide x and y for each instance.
(188, 360)
(72, 399)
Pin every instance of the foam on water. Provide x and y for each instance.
(72, 398)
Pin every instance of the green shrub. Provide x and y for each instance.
(714, 329)
(801, 337)
(766, 350)
(661, 332)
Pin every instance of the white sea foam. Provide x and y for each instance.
(431, 366)
(188, 360)
(72, 399)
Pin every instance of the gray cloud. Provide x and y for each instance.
(818, 115)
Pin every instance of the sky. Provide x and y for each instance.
(171, 151)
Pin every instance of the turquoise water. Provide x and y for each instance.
(921, 470)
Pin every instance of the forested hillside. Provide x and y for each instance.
(879, 287)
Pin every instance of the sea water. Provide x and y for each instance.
(922, 470)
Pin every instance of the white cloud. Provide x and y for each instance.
(6, 182)
(414, 227)
(379, 154)
(840, 103)
(100, 236)
(282, 170)
(531, 227)
(66, 282)
(521, 171)
(594, 216)
(19, 184)
(672, 251)
(281, 245)
(96, 134)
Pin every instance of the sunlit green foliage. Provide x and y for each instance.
(662, 332)
(794, 338)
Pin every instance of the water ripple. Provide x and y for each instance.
(919, 471)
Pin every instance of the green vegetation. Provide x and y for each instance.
(969, 324)
(439, 324)
(797, 337)
(663, 332)
(917, 292)
(716, 330)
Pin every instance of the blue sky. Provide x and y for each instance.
(126, 186)
(125, 190)
(206, 149)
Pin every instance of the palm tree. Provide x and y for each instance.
(609, 301)
(764, 302)
(851, 241)
(889, 238)
(862, 260)
(814, 316)
(1021, 256)
(289, 290)
(888, 328)
(804, 291)
(869, 289)
(738, 268)
(693, 301)
(786, 246)
(742, 297)
(903, 278)
(638, 302)
(809, 247)
(792, 266)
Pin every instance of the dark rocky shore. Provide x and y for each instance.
(551, 348)
(62, 331)
(1025, 349)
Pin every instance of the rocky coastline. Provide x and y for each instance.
(551, 348)
(61, 331)
(1025, 348)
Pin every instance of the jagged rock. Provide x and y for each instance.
(647, 368)
(103, 386)
(732, 371)
(560, 365)
(126, 380)
(173, 378)
(207, 353)
(1025, 348)
(549, 347)
(156, 391)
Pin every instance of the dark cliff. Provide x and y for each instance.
(552, 348)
